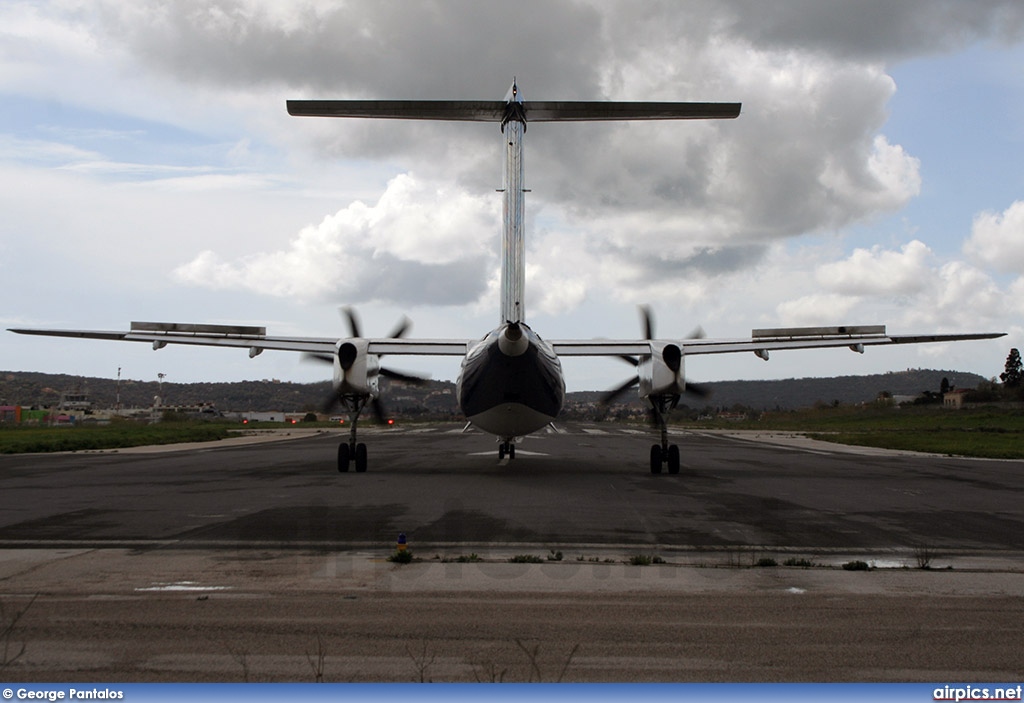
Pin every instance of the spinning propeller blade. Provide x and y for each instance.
(351, 318)
(672, 359)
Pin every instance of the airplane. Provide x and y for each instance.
(510, 383)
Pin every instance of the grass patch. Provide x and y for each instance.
(17, 440)
(990, 432)
(958, 442)
(802, 563)
(526, 559)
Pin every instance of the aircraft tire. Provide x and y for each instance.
(655, 458)
(501, 451)
(360, 458)
(511, 451)
(344, 456)
(673, 459)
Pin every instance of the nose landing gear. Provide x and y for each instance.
(506, 448)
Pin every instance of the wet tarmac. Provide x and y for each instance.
(260, 562)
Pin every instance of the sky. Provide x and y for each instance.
(150, 171)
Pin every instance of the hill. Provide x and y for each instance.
(792, 394)
(437, 398)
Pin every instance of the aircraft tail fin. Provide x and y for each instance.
(513, 114)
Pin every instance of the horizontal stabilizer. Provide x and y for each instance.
(463, 110)
(495, 110)
(567, 111)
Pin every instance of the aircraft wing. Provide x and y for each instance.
(761, 341)
(255, 339)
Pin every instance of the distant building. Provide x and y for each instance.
(255, 416)
(954, 399)
(75, 400)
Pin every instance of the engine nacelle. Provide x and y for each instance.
(661, 373)
(355, 369)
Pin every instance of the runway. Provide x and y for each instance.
(261, 562)
(581, 485)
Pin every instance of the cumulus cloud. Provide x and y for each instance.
(909, 289)
(997, 239)
(816, 309)
(878, 271)
(876, 30)
(806, 155)
(1017, 296)
(967, 295)
(691, 214)
(419, 244)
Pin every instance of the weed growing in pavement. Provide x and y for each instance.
(856, 565)
(924, 556)
(401, 556)
(9, 651)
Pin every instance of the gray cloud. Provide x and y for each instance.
(704, 262)
(876, 30)
(808, 153)
(452, 49)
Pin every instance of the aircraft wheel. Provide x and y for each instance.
(501, 451)
(511, 451)
(655, 458)
(673, 459)
(361, 458)
(343, 457)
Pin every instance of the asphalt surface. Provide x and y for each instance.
(260, 562)
(586, 485)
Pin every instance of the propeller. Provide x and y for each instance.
(354, 327)
(672, 357)
(355, 330)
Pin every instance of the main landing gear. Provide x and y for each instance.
(352, 452)
(664, 455)
(506, 448)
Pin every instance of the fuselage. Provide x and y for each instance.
(511, 382)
